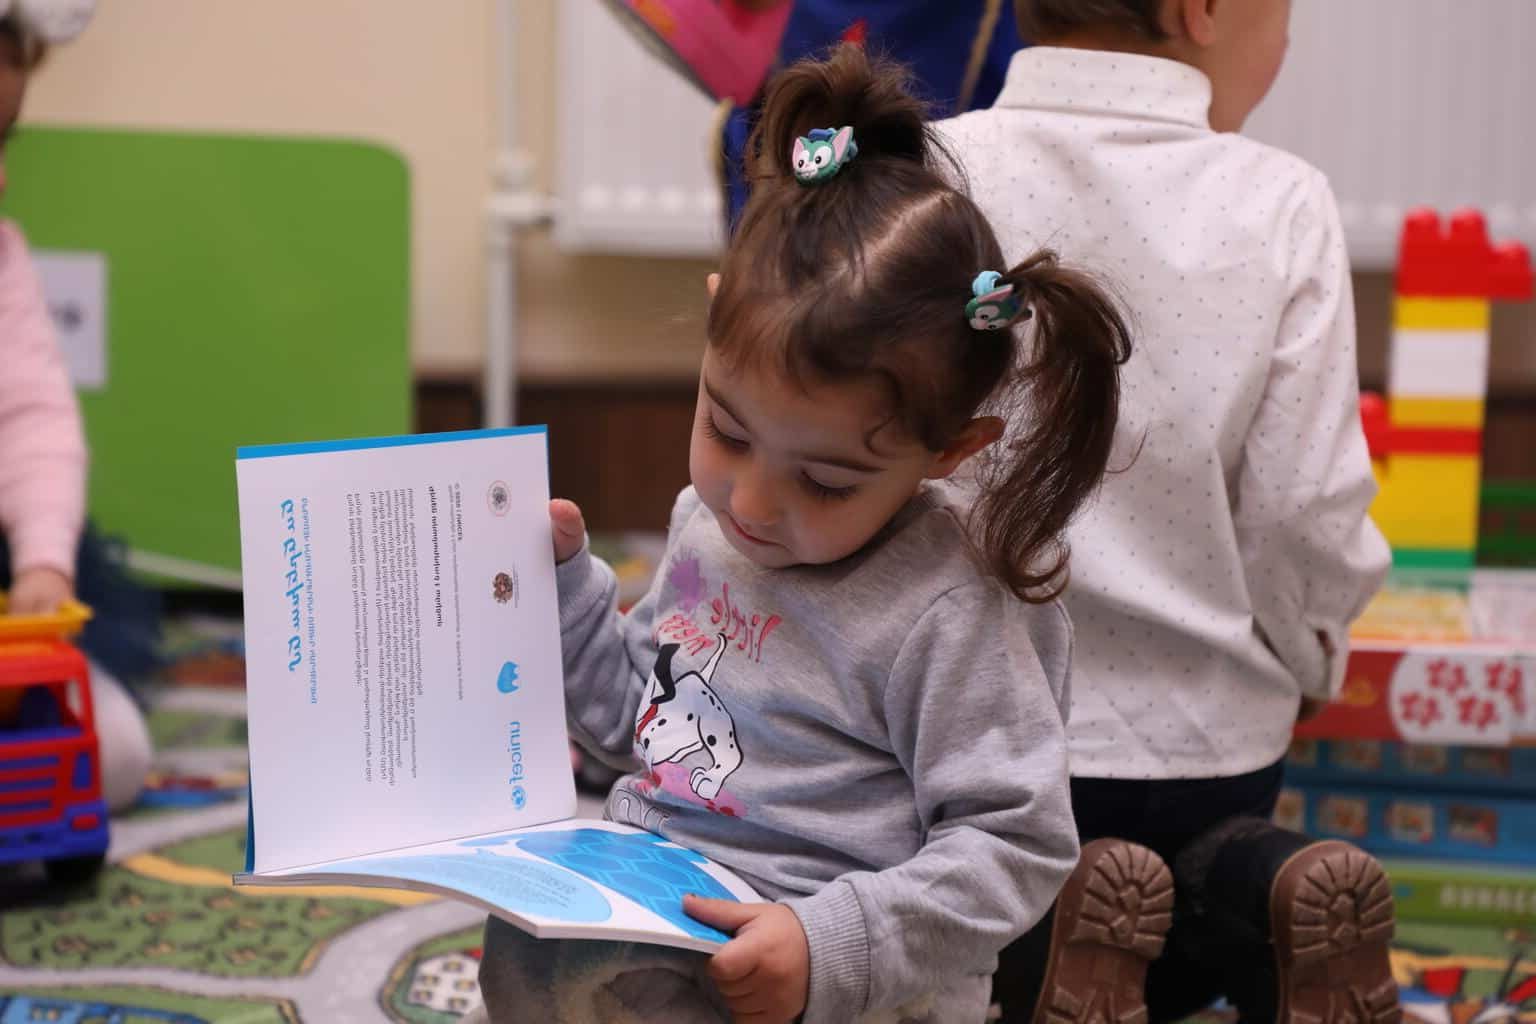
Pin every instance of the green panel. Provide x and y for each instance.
(257, 291)
(1507, 535)
(1430, 558)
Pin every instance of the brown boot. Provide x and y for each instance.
(1111, 919)
(1299, 929)
(1332, 921)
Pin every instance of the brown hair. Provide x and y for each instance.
(19, 48)
(1050, 19)
(866, 276)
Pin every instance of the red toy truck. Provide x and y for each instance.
(50, 772)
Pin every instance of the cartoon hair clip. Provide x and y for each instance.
(822, 153)
(994, 307)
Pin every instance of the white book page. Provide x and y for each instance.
(402, 643)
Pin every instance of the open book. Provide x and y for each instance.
(406, 703)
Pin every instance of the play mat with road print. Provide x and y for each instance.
(161, 935)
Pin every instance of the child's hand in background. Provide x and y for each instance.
(40, 591)
(569, 529)
(1311, 707)
(765, 971)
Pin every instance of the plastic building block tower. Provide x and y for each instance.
(1426, 440)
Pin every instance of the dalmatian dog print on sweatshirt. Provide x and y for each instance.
(683, 715)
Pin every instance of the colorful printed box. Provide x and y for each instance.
(1494, 771)
(1390, 822)
(1433, 694)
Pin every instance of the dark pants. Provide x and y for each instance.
(1203, 950)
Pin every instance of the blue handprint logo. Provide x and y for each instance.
(506, 680)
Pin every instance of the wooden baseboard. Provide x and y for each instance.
(621, 450)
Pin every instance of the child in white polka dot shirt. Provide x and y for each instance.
(1214, 581)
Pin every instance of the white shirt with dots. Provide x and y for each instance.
(1211, 578)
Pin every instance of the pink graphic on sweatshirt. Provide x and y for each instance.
(675, 780)
(746, 630)
(687, 580)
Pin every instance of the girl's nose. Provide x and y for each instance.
(752, 500)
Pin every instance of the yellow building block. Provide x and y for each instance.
(1428, 501)
(1435, 412)
(1421, 314)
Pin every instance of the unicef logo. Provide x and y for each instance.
(519, 797)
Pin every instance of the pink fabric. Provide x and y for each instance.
(42, 446)
(724, 46)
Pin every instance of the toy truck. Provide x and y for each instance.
(50, 769)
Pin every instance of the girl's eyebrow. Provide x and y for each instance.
(835, 461)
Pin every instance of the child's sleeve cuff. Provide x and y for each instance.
(580, 584)
(48, 544)
(839, 943)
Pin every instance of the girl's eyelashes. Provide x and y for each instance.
(824, 493)
(714, 433)
(814, 488)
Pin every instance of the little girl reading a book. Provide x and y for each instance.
(833, 684)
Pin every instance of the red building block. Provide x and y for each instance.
(1458, 261)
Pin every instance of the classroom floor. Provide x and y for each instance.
(162, 936)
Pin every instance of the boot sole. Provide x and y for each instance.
(1112, 918)
(1331, 908)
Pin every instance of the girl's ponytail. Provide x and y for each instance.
(1060, 443)
(874, 98)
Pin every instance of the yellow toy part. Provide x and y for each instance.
(1421, 314)
(1428, 501)
(1460, 413)
(66, 622)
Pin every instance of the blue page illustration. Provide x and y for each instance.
(524, 886)
(570, 879)
(644, 867)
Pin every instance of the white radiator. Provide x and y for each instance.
(1410, 103)
(1402, 102)
(636, 170)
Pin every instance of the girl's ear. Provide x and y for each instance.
(973, 437)
(1196, 20)
(712, 282)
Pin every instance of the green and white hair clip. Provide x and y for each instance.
(993, 307)
(50, 21)
(822, 153)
